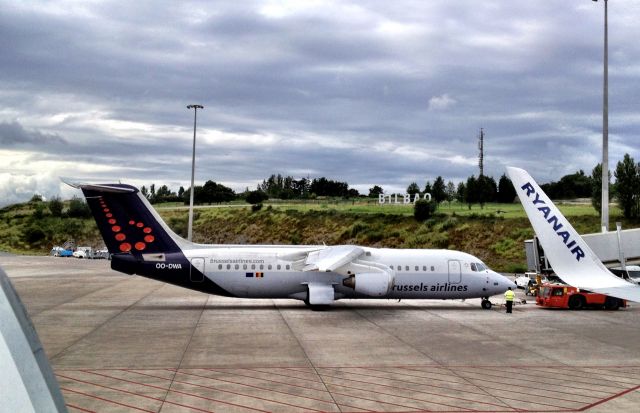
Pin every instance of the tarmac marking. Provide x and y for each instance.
(348, 389)
(262, 388)
(80, 408)
(543, 383)
(412, 390)
(132, 393)
(93, 396)
(178, 391)
(555, 377)
(511, 385)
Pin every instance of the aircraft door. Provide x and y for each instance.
(455, 272)
(197, 270)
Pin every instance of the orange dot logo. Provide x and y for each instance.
(147, 230)
(132, 222)
(149, 239)
(106, 210)
(125, 247)
(112, 221)
(109, 215)
(120, 237)
(116, 228)
(139, 225)
(140, 246)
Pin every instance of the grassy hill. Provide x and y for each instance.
(495, 234)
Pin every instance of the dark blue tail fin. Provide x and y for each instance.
(127, 222)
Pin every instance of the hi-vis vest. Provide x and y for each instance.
(509, 295)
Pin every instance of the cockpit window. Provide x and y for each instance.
(477, 267)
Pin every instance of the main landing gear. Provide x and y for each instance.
(486, 304)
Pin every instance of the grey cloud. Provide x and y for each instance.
(530, 75)
(12, 134)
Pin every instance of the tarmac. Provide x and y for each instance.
(120, 343)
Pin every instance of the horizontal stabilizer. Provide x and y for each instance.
(97, 187)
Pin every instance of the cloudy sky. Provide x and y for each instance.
(368, 92)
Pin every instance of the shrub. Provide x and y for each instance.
(423, 210)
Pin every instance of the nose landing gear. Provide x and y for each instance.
(486, 304)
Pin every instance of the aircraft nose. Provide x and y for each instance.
(504, 283)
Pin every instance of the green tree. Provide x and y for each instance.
(438, 190)
(375, 191)
(78, 208)
(461, 192)
(506, 191)
(413, 189)
(451, 192)
(427, 188)
(471, 195)
(56, 206)
(628, 185)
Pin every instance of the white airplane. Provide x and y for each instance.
(143, 244)
(571, 258)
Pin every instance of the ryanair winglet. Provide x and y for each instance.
(570, 257)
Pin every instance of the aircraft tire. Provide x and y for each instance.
(576, 302)
(486, 304)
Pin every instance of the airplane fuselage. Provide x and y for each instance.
(274, 272)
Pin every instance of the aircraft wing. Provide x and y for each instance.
(570, 257)
(331, 258)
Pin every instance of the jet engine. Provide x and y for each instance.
(373, 284)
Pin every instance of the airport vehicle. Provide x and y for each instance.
(141, 243)
(60, 252)
(566, 296)
(83, 252)
(571, 258)
(522, 281)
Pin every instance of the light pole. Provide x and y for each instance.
(604, 221)
(193, 169)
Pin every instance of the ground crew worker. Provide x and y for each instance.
(509, 296)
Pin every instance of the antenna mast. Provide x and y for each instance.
(481, 157)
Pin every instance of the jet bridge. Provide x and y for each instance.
(614, 249)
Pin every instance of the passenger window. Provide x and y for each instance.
(288, 266)
(253, 266)
(399, 267)
(406, 268)
(244, 267)
(417, 268)
(237, 267)
(219, 266)
(391, 266)
(279, 266)
(228, 266)
(424, 268)
(262, 266)
(269, 267)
